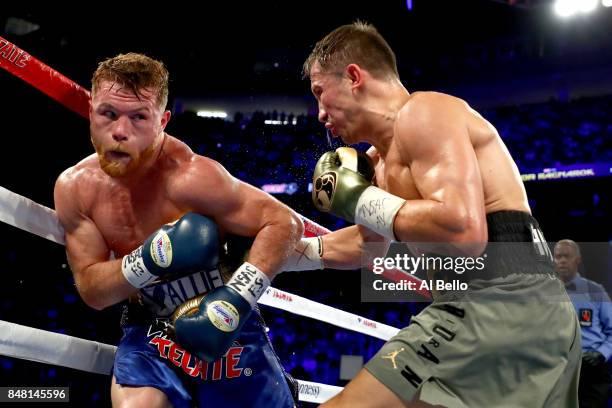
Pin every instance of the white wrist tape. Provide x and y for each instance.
(134, 269)
(376, 209)
(306, 256)
(249, 282)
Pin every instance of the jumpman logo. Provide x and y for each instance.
(391, 356)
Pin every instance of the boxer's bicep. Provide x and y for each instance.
(237, 207)
(85, 245)
(444, 168)
(247, 211)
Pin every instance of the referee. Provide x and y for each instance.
(594, 310)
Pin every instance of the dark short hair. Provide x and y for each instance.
(359, 43)
(571, 243)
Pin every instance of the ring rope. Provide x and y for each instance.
(72, 95)
(54, 348)
(42, 346)
(25, 214)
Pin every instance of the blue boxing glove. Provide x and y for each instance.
(208, 325)
(189, 245)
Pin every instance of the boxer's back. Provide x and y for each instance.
(502, 183)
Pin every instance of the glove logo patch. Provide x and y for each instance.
(161, 250)
(323, 190)
(223, 315)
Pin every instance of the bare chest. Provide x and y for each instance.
(394, 176)
(126, 217)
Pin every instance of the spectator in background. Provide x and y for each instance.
(594, 309)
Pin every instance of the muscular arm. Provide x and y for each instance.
(241, 209)
(98, 280)
(435, 143)
(344, 248)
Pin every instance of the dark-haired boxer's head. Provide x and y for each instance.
(343, 69)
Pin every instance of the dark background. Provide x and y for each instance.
(543, 82)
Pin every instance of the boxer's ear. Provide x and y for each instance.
(355, 75)
(165, 119)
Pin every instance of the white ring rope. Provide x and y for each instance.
(25, 214)
(42, 346)
(304, 307)
(59, 349)
(28, 215)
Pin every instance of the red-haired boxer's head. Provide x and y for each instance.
(127, 113)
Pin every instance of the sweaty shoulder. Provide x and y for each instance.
(186, 166)
(81, 177)
(430, 116)
(195, 175)
(436, 114)
(76, 187)
(423, 109)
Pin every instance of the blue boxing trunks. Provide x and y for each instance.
(249, 375)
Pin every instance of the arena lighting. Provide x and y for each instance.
(567, 8)
(586, 6)
(280, 188)
(212, 114)
(280, 122)
(606, 3)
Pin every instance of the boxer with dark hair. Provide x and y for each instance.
(438, 172)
